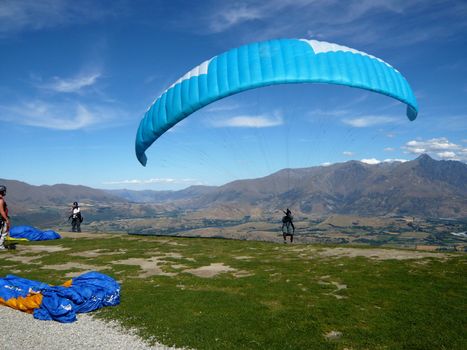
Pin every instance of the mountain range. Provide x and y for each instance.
(421, 187)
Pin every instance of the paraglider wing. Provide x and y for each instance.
(266, 63)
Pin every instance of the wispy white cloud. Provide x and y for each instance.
(246, 121)
(389, 149)
(228, 15)
(21, 15)
(373, 161)
(355, 21)
(74, 84)
(391, 160)
(60, 116)
(447, 155)
(348, 153)
(216, 108)
(236, 14)
(51, 106)
(164, 181)
(436, 144)
(370, 161)
(368, 121)
(330, 112)
(439, 147)
(231, 14)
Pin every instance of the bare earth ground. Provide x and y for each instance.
(374, 253)
(85, 235)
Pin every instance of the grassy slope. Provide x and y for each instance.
(289, 301)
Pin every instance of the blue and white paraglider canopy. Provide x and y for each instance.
(282, 61)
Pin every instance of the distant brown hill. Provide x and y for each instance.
(22, 194)
(421, 187)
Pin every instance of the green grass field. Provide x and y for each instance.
(270, 296)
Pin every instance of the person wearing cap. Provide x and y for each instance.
(76, 218)
(4, 218)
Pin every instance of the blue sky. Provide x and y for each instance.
(77, 76)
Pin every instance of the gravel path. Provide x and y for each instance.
(23, 331)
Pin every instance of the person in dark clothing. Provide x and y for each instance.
(288, 228)
(76, 218)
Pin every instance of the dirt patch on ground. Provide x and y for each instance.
(87, 235)
(83, 268)
(24, 259)
(175, 243)
(153, 266)
(160, 253)
(98, 252)
(173, 255)
(337, 285)
(79, 273)
(71, 266)
(150, 266)
(338, 288)
(428, 248)
(378, 254)
(179, 266)
(333, 335)
(25, 249)
(210, 270)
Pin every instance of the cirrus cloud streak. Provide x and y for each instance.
(246, 121)
(23, 15)
(373, 161)
(369, 121)
(60, 116)
(74, 84)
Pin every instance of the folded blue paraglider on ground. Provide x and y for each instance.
(85, 293)
(32, 233)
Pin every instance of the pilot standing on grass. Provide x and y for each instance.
(4, 218)
(288, 228)
(76, 218)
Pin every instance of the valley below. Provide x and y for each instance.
(409, 232)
